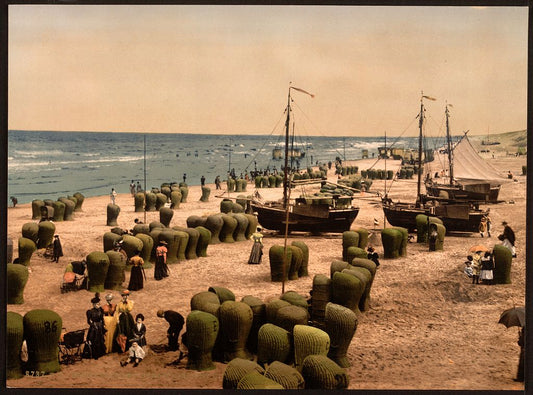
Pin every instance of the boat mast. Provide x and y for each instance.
(449, 140)
(286, 169)
(420, 125)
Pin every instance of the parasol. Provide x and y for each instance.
(515, 316)
(479, 248)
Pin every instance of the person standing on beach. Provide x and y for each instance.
(57, 249)
(110, 322)
(132, 188)
(508, 238)
(139, 187)
(217, 182)
(202, 181)
(257, 247)
(184, 177)
(96, 332)
(113, 195)
(175, 321)
(124, 331)
(137, 273)
(161, 268)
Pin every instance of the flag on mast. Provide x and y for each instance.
(429, 98)
(301, 90)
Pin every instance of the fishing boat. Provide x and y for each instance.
(459, 217)
(334, 214)
(469, 177)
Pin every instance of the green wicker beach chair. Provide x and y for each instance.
(17, 277)
(229, 226)
(68, 213)
(392, 242)
(206, 301)
(320, 298)
(350, 238)
(289, 316)
(174, 241)
(203, 241)
(279, 263)
(236, 370)
(308, 341)
(347, 290)
(147, 246)
(47, 230)
(285, 375)
(79, 201)
(502, 264)
(115, 276)
(272, 307)
(273, 344)
(165, 216)
(59, 211)
(97, 266)
(338, 266)
(112, 214)
(297, 257)
(202, 331)
(139, 202)
(131, 244)
(214, 224)
(42, 329)
(303, 270)
(321, 373)
(259, 318)
(341, 324)
(252, 225)
(206, 191)
(175, 199)
(222, 293)
(235, 324)
(366, 278)
(15, 338)
(30, 230)
(160, 200)
(109, 239)
(184, 193)
(239, 234)
(36, 206)
(150, 201)
(195, 220)
(256, 381)
(26, 249)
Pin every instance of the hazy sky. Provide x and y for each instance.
(226, 69)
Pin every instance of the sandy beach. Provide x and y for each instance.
(428, 327)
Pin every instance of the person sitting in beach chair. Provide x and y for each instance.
(75, 277)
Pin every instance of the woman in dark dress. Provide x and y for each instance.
(96, 333)
(257, 248)
(161, 268)
(139, 331)
(137, 272)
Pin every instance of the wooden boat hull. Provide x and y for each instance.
(470, 192)
(274, 218)
(404, 215)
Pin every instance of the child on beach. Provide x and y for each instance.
(136, 355)
(476, 267)
(468, 266)
(113, 195)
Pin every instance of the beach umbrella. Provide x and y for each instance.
(515, 316)
(479, 248)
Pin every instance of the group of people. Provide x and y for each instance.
(480, 267)
(113, 329)
(135, 187)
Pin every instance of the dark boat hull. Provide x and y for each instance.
(274, 218)
(480, 192)
(404, 215)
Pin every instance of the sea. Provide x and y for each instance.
(52, 164)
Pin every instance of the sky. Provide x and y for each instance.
(226, 69)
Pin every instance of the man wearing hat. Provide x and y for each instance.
(175, 321)
(161, 268)
(57, 250)
(508, 238)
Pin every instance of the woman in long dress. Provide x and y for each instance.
(136, 276)
(110, 322)
(124, 331)
(161, 267)
(95, 335)
(257, 248)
